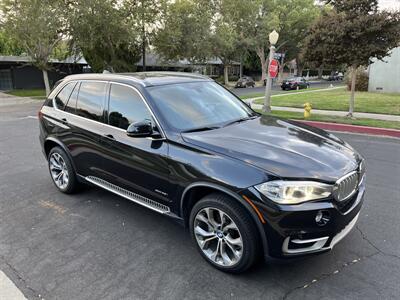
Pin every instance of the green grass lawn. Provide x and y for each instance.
(256, 95)
(336, 119)
(28, 93)
(339, 100)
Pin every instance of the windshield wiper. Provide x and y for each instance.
(205, 128)
(241, 120)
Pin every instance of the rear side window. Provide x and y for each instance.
(126, 107)
(71, 105)
(63, 96)
(90, 99)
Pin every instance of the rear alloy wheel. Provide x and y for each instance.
(225, 233)
(61, 171)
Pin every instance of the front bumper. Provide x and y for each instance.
(318, 244)
(291, 230)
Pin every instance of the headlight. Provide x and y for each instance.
(294, 192)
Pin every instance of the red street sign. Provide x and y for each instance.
(273, 68)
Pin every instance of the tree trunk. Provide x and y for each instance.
(353, 90)
(299, 71)
(144, 48)
(261, 55)
(320, 72)
(281, 68)
(226, 77)
(143, 39)
(46, 82)
(241, 67)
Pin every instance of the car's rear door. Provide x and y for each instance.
(84, 118)
(138, 164)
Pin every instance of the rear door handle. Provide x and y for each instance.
(109, 136)
(64, 121)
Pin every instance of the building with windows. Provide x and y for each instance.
(384, 76)
(17, 72)
(213, 67)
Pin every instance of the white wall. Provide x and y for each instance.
(384, 76)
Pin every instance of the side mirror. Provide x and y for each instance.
(140, 129)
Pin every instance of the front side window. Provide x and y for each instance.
(62, 97)
(188, 106)
(90, 99)
(126, 107)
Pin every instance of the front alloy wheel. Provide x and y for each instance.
(218, 236)
(225, 233)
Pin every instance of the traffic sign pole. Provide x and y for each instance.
(268, 86)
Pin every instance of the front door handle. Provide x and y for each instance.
(109, 136)
(64, 121)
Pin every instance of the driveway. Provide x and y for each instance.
(94, 245)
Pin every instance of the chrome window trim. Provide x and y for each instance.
(163, 136)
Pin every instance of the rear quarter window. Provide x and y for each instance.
(62, 97)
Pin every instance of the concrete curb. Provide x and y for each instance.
(353, 128)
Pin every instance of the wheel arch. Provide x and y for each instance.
(52, 142)
(189, 198)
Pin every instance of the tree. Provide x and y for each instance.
(8, 46)
(258, 21)
(351, 33)
(223, 45)
(253, 20)
(294, 20)
(104, 33)
(145, 14)
(37, 27)
(185, 31)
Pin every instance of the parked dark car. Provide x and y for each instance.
(245, 82)
(295, 83)
(336, 76)
(181, 145)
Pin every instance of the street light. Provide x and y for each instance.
(273, 39)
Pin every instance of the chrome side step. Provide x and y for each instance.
(158, 207)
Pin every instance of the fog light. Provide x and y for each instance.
(322, 218)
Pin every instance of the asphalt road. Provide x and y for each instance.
(276, 89)
(95, 245)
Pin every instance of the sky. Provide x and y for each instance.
(386, 4)
(389, 4)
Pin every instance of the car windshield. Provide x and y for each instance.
(196, 105)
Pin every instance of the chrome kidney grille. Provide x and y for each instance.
(346, 186)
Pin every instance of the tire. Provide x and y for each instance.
(59, 162)
(237, 227)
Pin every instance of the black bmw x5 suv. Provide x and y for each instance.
(244, 184)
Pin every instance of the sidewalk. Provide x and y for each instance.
(6, 99)
(331, 112)
(8, 289)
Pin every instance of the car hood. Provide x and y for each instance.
(284, 148)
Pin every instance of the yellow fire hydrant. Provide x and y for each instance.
(307, 110)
